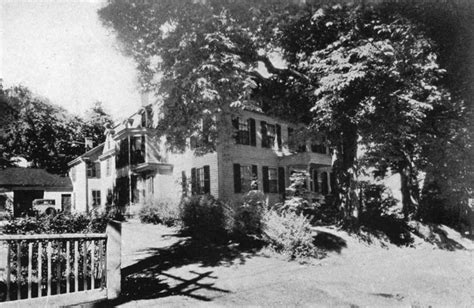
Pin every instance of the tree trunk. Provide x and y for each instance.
(409, 190)
(345, 170)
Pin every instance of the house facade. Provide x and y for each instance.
(133, 166)
(20, 186)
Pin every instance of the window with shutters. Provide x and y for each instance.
(244, 131)
(200, 178)
(247, 178)
(268, 135)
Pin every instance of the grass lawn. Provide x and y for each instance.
(162, 269)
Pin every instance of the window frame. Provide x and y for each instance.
(96, 196)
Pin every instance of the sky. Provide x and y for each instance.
(60, 50)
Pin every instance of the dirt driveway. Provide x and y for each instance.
(162, 269)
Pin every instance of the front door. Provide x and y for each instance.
(66, 203)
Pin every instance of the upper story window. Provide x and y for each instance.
(121, 159)
(319, 147)
(147, 117)
(93, 169)
(294, 144)
(137, 150)
(73, 174)
(244, 131)
(108, 163)
(270, 134)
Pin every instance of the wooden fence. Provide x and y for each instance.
(61, 269)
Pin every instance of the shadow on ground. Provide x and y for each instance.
(149, 279)
(329, 242)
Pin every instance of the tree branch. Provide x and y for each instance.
(274, 70)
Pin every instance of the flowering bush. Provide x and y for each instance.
(289, 233)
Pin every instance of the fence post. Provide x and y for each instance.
(114, 259)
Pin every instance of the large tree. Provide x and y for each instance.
(44, 134)
(342, 70)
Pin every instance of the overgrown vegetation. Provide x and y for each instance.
(62, 223)
(159, 213)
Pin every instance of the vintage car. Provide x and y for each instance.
(46, 206)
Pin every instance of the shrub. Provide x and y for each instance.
(203, 217)
(289, 233)
(244, 219)
(61, 223)
(159, 213)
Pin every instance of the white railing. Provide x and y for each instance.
(62, 269)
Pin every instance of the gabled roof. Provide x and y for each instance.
(94, 151)
(32, 177)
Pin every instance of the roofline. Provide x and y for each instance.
(83, 156)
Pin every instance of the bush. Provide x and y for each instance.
(289, 233)
(61, 223)
(244, 220)
(159, 213)
(203, 217)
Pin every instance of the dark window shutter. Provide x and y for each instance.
(332, 177)
(255, 175)
(278, 132)
(253, 134)
(193, 181)
(237, 181)
(97, 170)
(207, 180)
(263, 125)
(266, 183)
(235, 125)
(315, 181)
(324, 183)
(184, 183)
(281, 180)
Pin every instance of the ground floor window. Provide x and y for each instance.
(200, 180)
(95, 197)
(245, 178)
(273, 179)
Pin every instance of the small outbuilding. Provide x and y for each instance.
(20, 186)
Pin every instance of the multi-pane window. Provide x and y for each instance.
(108, 166)
(247, 178)
(200, 180)
(243, 133)
(268, 134)
(95, 197)
(93, 169)
(272, 180)
(137, 150)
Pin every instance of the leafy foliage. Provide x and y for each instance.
(353, 67)
(203, 217)
(61, 223)
(159, 213)
(289, 233)
(42, 133)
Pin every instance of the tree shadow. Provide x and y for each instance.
(329, 242)
(149, 279)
